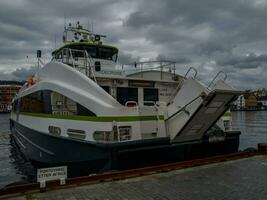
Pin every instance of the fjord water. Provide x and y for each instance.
(14, 168)
(253, 127)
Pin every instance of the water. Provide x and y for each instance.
(253, 126)
(14, 168)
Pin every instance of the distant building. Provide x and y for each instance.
(7, 92)
(250, 101)
(240, 103)
(262, 101)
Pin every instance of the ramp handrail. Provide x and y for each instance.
(220, 72)
(181, 82)
(190, 69)
(183, 108)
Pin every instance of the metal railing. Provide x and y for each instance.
(162, 66)
(216, 76)
(182, 81)
(78, 59)
(184, 108)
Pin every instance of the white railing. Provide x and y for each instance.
(78, 59)
(162, 66)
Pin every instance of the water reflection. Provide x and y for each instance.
(253, 126)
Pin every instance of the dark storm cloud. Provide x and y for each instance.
(174, 58)
(247, 61)
(125, 58)
(210, 35)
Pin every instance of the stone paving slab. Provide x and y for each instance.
(244, 179)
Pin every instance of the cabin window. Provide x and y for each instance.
(49, 102)
(92, 51)
(105, 53)
(63, 105)
(150, 95)
(32, 103)
(106, 88)
(108, 53)
(127, 94)
(15, 106)
(82, 111)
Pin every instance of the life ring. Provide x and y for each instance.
(30, 81)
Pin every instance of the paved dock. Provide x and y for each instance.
(244, 179)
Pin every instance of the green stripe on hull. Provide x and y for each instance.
(96, 119)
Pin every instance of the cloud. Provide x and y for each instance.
(23, 73)
(209, 35)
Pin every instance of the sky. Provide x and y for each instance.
(210, 35)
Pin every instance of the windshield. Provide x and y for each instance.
(100, 52)
(108, 53)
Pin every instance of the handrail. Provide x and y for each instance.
(190, 69)
(132, 102)
(183, 108)
(153, 65)
(220, 72)
(150, 102)
(67, 53)
(91, 69)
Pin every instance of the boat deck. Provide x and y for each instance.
(237, 179)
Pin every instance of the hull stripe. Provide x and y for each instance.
(32, 143)
(96, 119)
(19, 141)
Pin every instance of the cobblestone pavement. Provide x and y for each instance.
(244, 179)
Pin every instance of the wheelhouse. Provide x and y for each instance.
(95, 51)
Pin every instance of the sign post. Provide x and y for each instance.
(51, 173)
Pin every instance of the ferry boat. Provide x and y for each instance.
(82, 107)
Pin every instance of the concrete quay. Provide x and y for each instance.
(244, 179)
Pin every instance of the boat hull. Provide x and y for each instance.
(48, 150)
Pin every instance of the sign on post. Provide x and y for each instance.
(51, 173)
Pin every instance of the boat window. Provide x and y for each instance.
(32, 103)
(50, 102)
(103, 136)
(108, 53)
(82, 111)
(54, 130)
(76, 134)
(47, 101)
(99, 135)
(92, 51)
(150, 95)
(106, 88)
(127, 94)
(63, 105)
(15, 106)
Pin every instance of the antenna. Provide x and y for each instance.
(64, 20)
(92, 26)
(55, 41)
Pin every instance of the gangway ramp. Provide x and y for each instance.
(191, 120)
(207, 114)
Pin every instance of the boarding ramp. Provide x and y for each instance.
(196, 108)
